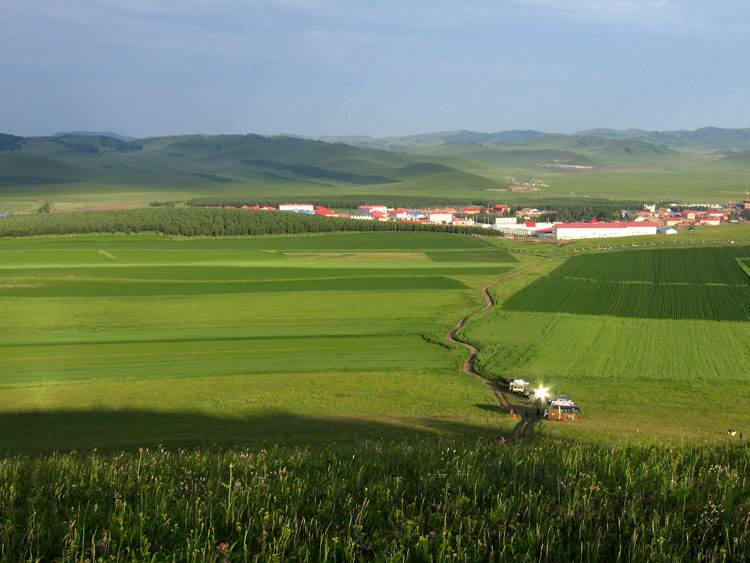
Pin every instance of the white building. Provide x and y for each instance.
(525, 229)
(463, 222)
(441, 216)
(570, 231)
(297, 207)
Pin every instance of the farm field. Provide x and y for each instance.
(278, 398)
(133, 341)
(644, 365)
(692, 283)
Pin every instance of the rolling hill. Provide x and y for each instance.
(231, 161)
(26, 169)
(110, 134)
(504, 156)
(603, 151)
(562, 149)
(705, 139)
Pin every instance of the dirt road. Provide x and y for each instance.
(525, 426)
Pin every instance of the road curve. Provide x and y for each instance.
(525, 426)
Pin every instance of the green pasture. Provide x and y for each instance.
(636, 379)
(324, 242)
(124, 341)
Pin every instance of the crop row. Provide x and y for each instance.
(689, 265)
(644, 300)
(107, 288)
(696, 283)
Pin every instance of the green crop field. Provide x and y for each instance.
(124, 341)
(677, 371)
(694, 283)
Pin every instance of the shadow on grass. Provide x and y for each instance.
(493, 408)
(48, 431)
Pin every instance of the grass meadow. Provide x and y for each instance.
(419, 500)
(135, 341)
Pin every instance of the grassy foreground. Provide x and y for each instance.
(433, 500)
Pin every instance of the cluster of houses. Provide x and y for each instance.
(446, 216)
(463, 217)
(522, 223)
(668, 217)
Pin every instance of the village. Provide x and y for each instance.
(529, 222)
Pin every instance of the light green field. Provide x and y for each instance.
(123, 341)
(120, 341)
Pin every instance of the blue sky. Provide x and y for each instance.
(336, 67)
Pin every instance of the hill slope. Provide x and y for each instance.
(19, 168)
(210, 161)
(703, 139)
(602, 150)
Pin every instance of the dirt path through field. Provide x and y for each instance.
(525, 426)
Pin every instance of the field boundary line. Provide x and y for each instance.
(525, 426)
(194, 353)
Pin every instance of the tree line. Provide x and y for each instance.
(190, 221)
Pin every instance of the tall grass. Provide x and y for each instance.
(425, 501)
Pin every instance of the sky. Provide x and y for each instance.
(348, 67)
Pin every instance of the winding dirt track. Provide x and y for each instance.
(525, 426)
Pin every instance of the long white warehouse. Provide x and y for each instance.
(569, 231)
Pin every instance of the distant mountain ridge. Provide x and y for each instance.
(96, 134)
(703, 139)
(456, 160)
(430, 139)
(213, 160)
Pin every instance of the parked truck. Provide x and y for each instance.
(518, 386)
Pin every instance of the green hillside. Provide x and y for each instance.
(562, 149)
(20, 168)
(511, 155)
(451, 180)
(703, 139)
(740, 158)
(422, 169)
(81, 171)
(603, 151)
(188, 154)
